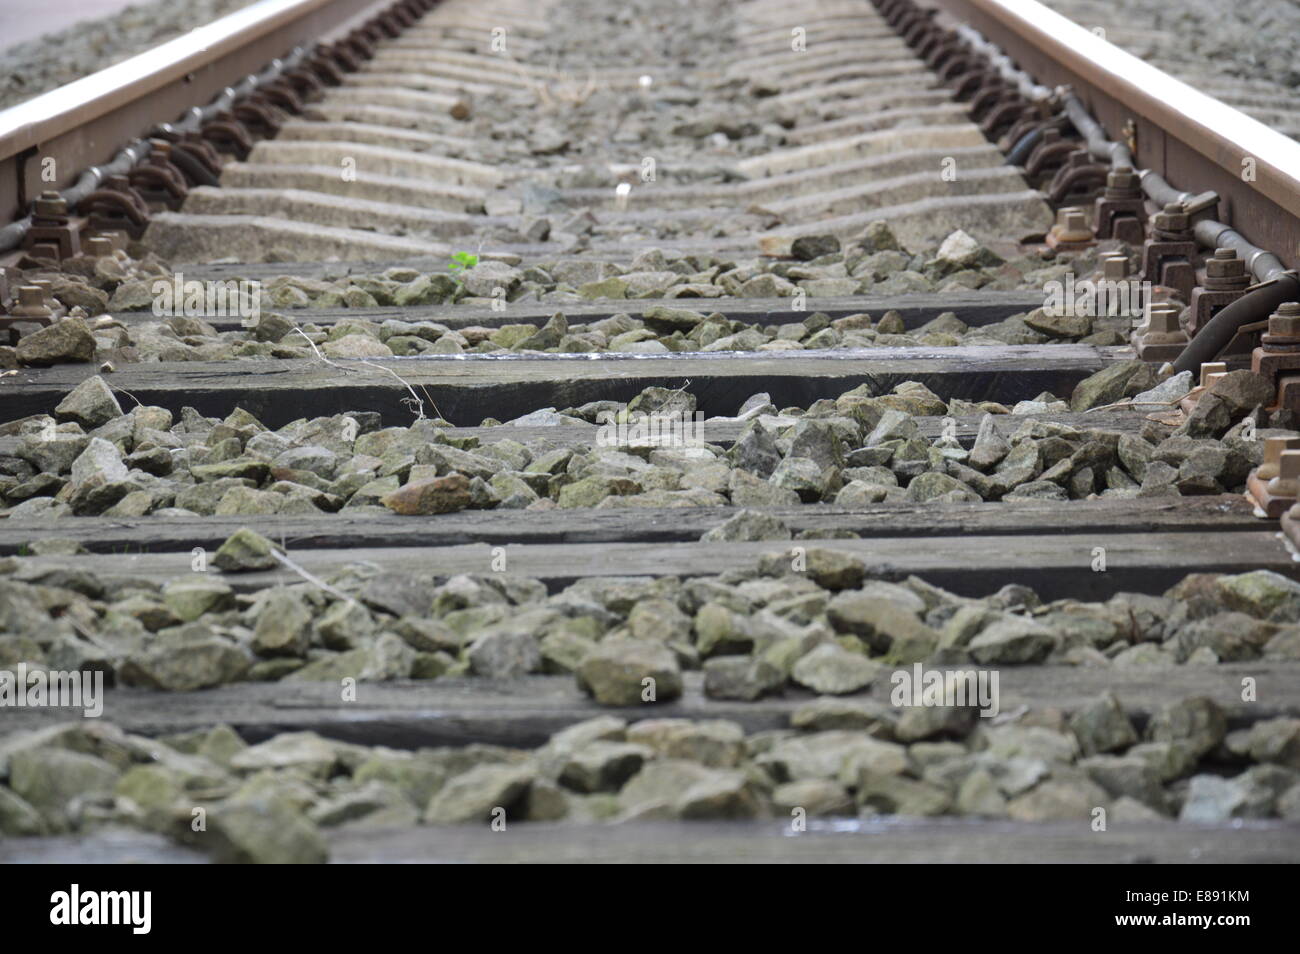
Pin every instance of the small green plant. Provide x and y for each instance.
(462, 261)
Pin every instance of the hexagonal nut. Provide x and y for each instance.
(1122, 177)
(1284, 326)
(1172, 218)
(1224, 266)
(50, 205)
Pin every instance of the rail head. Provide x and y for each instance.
(1113, 83)
(85, 122)
(59, 111)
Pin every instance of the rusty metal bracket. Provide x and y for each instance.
(342, 57)
(988, 96)
(116, 206)
(258, 115)
(157, 180)
(1263, 485)
(1278, 354)
(1120, 211)
(1071, 233)
(196, 158)
(1000, 118)
(53, 230)
(227, 134)
(306, 83)
(1225, 281)
(281, 94)
(1168, 255)
(968, 84)
(1049, 154)
(29, 307)
(1080, 177)
(1163, 338)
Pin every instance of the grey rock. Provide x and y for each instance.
(1102, 726)
(1197, 723)
(749, 525)
(616, 672)
(741, 677)
(90, 404)
(832, 670)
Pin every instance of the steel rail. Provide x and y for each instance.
(86, 122)
(1190, 139)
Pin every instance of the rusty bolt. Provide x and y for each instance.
(1287, 481)
(1211, 368)
(1122, 182)
(1224, 264)
(1273, 448)
(1114, 267)
(31, 303)
(1172, 218)
(1153, 314)
(1285, 322)
(47, 289)
(50, 205)
(97, 246)
(1164, 321)
(1163, 328)
(1080, 157)
(1072, 225)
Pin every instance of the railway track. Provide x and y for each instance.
(459, 423)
